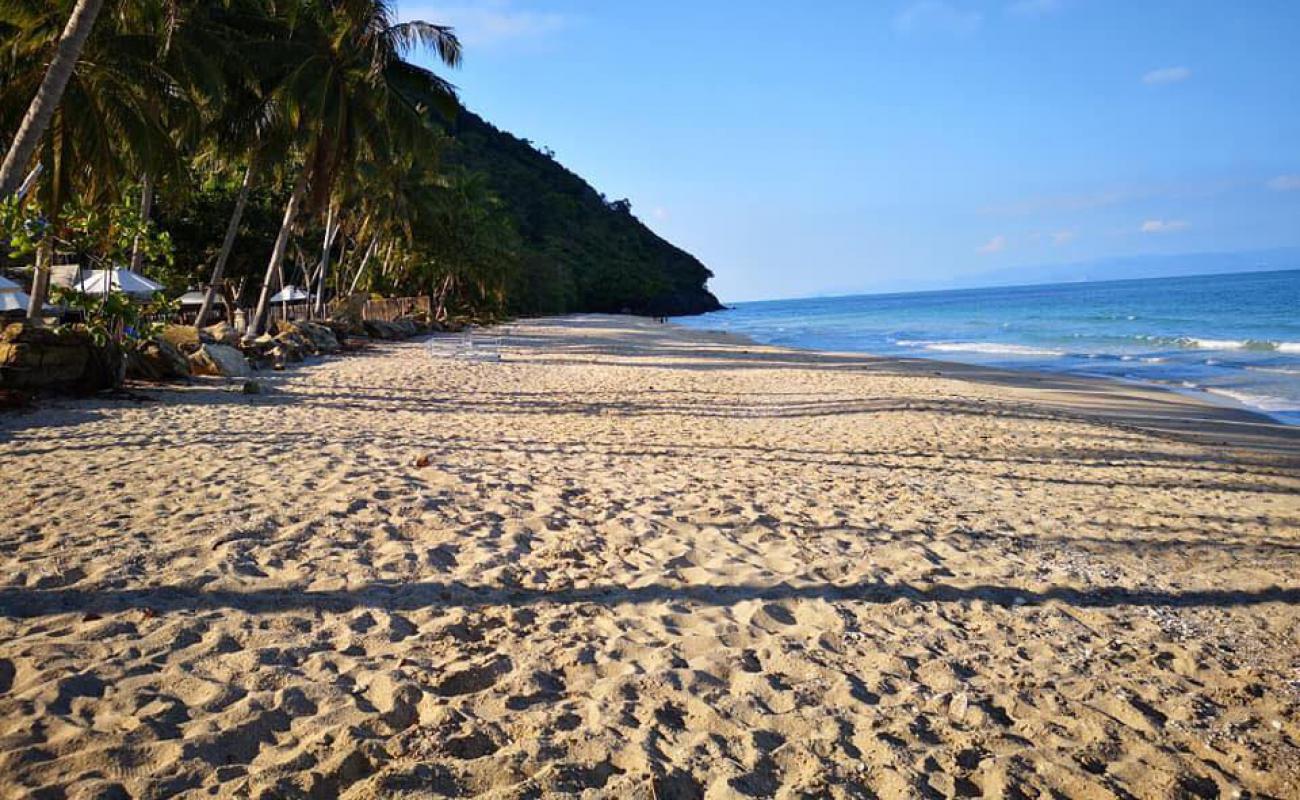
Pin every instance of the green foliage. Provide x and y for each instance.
(105, 234)
(115, 317)
(580, 252)
(21, 226)
(318, 94)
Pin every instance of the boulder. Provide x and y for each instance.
(57, 359)
(222, 333)
(379, 329)
(290, 348)
(220, 359)
(397, 329)
(183, 337)
(322, 338)
(158, 361)
(414, 324)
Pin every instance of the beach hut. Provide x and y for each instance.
(118, 279)
(13, 300)
(192, 298)
(289, 295)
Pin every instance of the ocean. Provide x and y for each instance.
(1235, 337)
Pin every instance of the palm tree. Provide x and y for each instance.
(247, 126)
(348, 93)
(110, 127)
(48, 94)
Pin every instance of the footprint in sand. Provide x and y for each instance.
(474, 679)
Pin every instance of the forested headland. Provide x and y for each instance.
(252, 145)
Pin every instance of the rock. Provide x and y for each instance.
(291, 346)
(57, 359)
(220, 359)
(957, 708)
(222, 333)
(183, 337)
(157, 361)
(397, 329)
(322, 338)
(381, 329)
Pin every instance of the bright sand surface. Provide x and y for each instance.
(628, 560)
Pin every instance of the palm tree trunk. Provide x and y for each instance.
(277, 255)
(41, 111)
(41, 279)
(45, 250)
(331, 229)
(227, 245)
(146, 208)
(370, 251)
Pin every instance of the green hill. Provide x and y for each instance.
(581, 252)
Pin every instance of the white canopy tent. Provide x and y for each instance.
(192, 298)
(118, 279)
(290, 294)
(12, 297)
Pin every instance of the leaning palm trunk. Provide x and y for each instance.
(146, 208)
(331, 230)
(370, 251)
(227, 245)
(37, 119)
(277, 255)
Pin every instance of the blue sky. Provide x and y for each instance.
(804, 148)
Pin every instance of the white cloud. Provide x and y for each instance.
(1166, 75)
(659, 212)
(1034, 8)
(1285, 183)
(995, 245)
(937, 16)
(1165, 225)
(487, 23)
(1063, 237)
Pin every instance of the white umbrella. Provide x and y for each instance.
(290, 294)
(118, 279)
(194, 298)
(12, 297)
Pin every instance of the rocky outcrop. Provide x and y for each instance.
(220, 360)
(222, 333)
(182, 337)
(403, 328)
(36, 358)
(157, 361)
(307, 337)
(322, 338)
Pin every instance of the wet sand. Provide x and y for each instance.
(629, 560)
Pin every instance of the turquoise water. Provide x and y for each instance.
(1234, 336)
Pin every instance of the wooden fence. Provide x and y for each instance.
(392, 308)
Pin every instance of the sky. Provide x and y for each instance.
(812, 148)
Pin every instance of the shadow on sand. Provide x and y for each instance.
(413, 596)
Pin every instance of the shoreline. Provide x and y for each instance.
(1222, 419)
(603, 556)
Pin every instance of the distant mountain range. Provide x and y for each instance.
(1133, 267)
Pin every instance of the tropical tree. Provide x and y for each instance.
(112, 126)
(50, 90)
(349, 94)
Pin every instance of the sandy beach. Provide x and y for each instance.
(629, 560)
